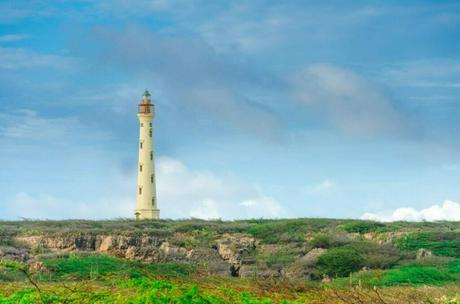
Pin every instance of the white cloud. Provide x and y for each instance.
(13, 37)
(29, 126)
(208, 209)
(13, 12)
(182, 193)
(262, 207)
(18, 58)
(346, 101)
(322, 187)
(448, 211)
(45, 206)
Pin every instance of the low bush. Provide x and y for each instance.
(326, 241)
(375, 255)
(340, 262)
(276, 259)
(362, 226)
(440, 243)
(278, 231)
(322, 241)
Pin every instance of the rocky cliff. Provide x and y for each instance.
(257, 248)
(224, 256)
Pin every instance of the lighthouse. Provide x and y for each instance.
(146, 205)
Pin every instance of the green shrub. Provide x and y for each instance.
(276, 259)
(362, 227)
(283, 231)
(340, 262)
(322, 241)
(375, 255)
(454, 268)
(440, 243)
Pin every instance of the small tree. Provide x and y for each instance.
(340, 262)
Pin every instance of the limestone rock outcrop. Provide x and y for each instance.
(233, 249)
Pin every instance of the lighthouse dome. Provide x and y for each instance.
(145, 97)
(145, 105)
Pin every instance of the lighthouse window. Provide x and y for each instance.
(140, 190)
(140, 144)
(142, 124)
(153, 201)
(150, 125)
(140, 168)
(150, 132)
(151, 155)
(151, 178)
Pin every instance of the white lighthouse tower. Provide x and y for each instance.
(146, 206)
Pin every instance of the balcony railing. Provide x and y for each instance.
(146, 108)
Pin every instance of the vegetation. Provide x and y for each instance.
(367, 262)
(440, 243)
(340, 262)
(364, 227)
(103, 279)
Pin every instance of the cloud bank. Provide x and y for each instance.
(182, 193)
(346, 100)
(322, 187)
(448, 211)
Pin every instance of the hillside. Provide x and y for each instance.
(291, 259)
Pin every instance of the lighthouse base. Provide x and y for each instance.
(147, 214)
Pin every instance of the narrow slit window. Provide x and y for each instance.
(150, 132)
(153, 201)
(140, 190)
(142, 124)
(140, 144)
(151, 155)
(151, 178)
(150, 125)
(140, 168)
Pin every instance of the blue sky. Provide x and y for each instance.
(264, 108)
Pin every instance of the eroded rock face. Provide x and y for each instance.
(303, 266)
(311, 258)
(145, 248)
(174, 253)
(11, 253)
(150, 249)
(233, 248)
(79, 242)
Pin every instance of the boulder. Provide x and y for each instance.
(423, 253)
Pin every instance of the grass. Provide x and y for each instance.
(440, 243)
(406, 275)
(217, 291)
(104, 279)
(100, 266)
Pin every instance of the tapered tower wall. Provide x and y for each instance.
(146, 206)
